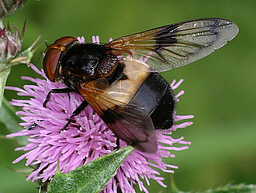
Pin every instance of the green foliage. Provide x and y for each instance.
(219, 89)
(11, 120)
(92, 177)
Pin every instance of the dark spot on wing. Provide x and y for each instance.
(166, 36)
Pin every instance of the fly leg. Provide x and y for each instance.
(117, 144)
(61, 90)
(76, 112)
(57, 90)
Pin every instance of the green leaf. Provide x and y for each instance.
(92, 177)
(240, 188)
(3, 77)
(11, 120)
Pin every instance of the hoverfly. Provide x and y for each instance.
(130, 95)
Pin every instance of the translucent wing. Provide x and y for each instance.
(130, 122)
(177, 44)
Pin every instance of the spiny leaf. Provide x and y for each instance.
(92, 177)
(239, 188)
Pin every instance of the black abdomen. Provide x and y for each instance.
(157, 98)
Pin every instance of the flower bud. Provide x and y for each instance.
(10, 44)
(8, 7)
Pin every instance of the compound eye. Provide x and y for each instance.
(52, 55)
(63, 41)
(51, 60)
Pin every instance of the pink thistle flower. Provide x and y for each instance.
(86, 139)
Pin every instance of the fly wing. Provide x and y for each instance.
(130, 122)
(177, 44)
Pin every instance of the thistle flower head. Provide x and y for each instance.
(87, 138)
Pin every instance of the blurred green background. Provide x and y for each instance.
(219, 89)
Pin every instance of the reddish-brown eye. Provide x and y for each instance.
(51, 60)
(52, 55)
(63, 41)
